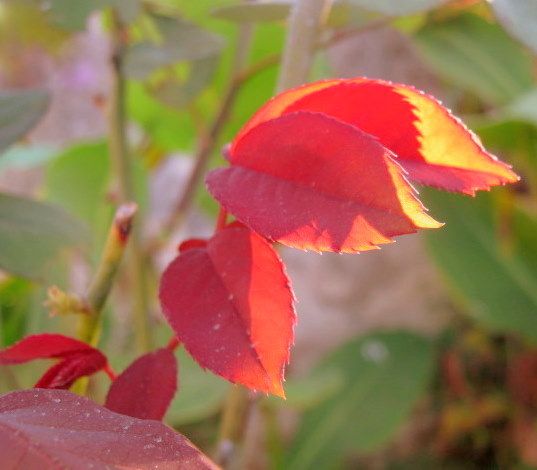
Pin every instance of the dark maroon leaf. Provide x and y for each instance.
(55, 429)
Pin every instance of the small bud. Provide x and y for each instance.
(62, 303)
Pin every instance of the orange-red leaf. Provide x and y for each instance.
(431, 144)
(312, 182)
(230, 304)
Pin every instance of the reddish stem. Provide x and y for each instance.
(173, 344)
(222, 219)
(110, 372)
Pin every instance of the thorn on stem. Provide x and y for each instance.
(123, 220)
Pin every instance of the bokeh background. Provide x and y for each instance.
(420, 355)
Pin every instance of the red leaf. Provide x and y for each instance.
(146, 388)
(42, 429)
(191, 243)
(42, 346)
(312, 182)
(230, 304)
(63, 374)
(78, 359)
(433, 146)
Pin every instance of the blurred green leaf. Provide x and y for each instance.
(477, 56)
(496, 281)
(19, 112)
(26, 156)
(307, 392)
(254, 12)
(200, 394)
(524, 107)
(519, 17)
(180, 41)
(169, 128)
(398, 7)
(178, 94)
(15, 303)
(341, 13)
(72, 15)
(385, 374)
(32, 233)
(77, 180)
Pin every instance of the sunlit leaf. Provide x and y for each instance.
(231, 306)
(384, 376)
(313, 182)
(38, 427)
(19, 113)
(432, 145)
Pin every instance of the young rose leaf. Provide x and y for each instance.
(231, 305)
(78, 359)
(312, 182)
(55, 428)
(431, 144)
(146, 388)
(64, 374)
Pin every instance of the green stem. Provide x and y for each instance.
(306, 18)
(103, 280)
(305, 21)
(208, 140)
(123, 173)
(232, 426)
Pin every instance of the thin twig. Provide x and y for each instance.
(209, 140)
(104, 277)
(89, 327)
(305, 21)
(123, 173)
(232, 425)
(274, 59)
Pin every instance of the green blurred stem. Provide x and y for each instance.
(209, 139)
(305, 22)
(114, 248)
(125, 186)
(232, 426)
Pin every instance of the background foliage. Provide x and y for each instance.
(465, 395)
